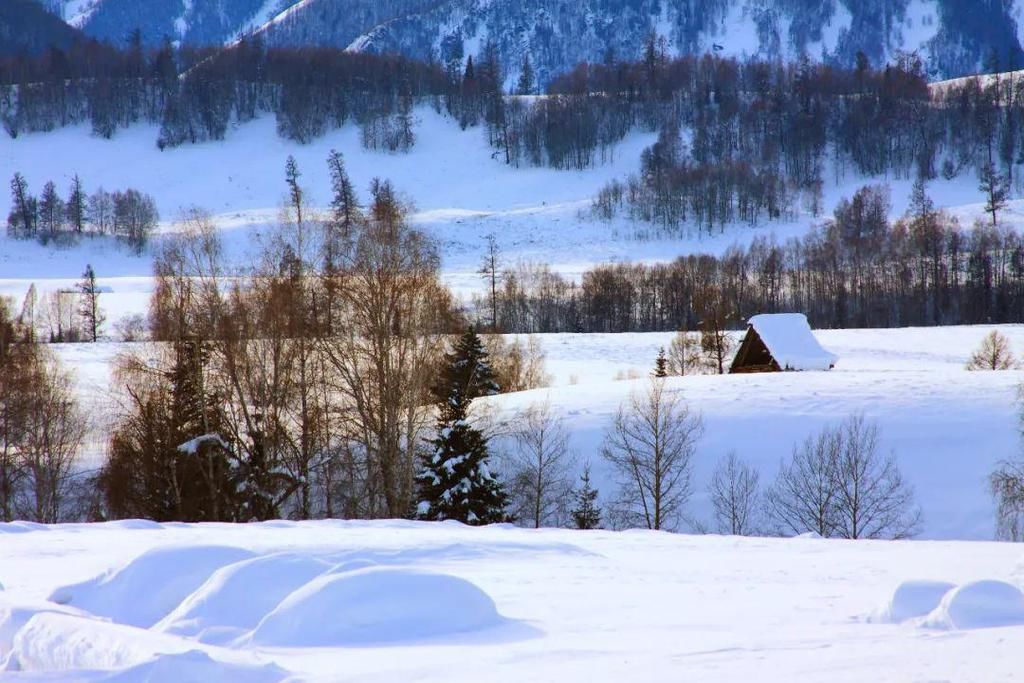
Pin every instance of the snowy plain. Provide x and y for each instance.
(174, 602)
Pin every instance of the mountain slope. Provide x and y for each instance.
(953, 37)
(25, 26)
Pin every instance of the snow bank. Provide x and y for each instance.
(196, 667)
(377, 606)
(150, 586)
(912, 599)
(792, 343)
(50, 641)
(13, 618)
(236, 597)
(20, 527)
(980, 604)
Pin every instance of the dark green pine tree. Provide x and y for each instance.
(455, 481)
(586, 514)
(661, 364)
(204, 462)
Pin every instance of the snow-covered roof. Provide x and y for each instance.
(791, 342)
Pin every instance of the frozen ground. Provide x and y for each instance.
(393, 601)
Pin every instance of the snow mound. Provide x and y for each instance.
(979, 604)
(135, 524)
(195, 666)
(377, 606)
(912, 599)
(50, 641)
(149, 587)
(20, 527)
(236, 597)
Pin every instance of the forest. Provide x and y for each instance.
(754, 139)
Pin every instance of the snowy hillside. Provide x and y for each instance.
(460, 192)
(327, 601)
(954, 38)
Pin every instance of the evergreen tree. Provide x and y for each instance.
(21, 222)
(455, 481)
(526, 77)
(75, 207)
(586, 514)
(345, 213)
(51, 212)
(92, 315)
(996, 189)
(661, 364)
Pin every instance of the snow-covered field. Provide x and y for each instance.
(387, 601)
(946, 426)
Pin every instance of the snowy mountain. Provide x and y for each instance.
(954, 37)
(195, 22)
(25, 26)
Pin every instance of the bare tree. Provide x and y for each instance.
(873, 499)
(491, 271)
(1007, 486)
(518, 364)
(539, 467)
(391, 312)
(685, 356)
(802, 497)
(52, 441)
(651, 444)
(839, 485)
(993, 354)
(735, 496)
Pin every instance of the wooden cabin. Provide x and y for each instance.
(781, 342)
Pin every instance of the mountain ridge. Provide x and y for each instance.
(953, 37)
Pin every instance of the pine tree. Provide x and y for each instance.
(661, 364)
(51, 212)
(586, 514)
(455, 481)
(75, 207)
(526, 77)
(21, 222)
(996, 189)
(92, 315)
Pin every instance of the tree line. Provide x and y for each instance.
(129, 215)
(859, 269)
(759, 134)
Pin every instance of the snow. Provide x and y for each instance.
(147, 589)
(979, 604)
(192, 446)
(377, 606)
(791, 342)
(597, 606)
(912, 599)
(236, 597)
(921, 24)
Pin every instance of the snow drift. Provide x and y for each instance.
(149, 587)
(979, 604)
(236, 597)
(912, 599)
(377, 606)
